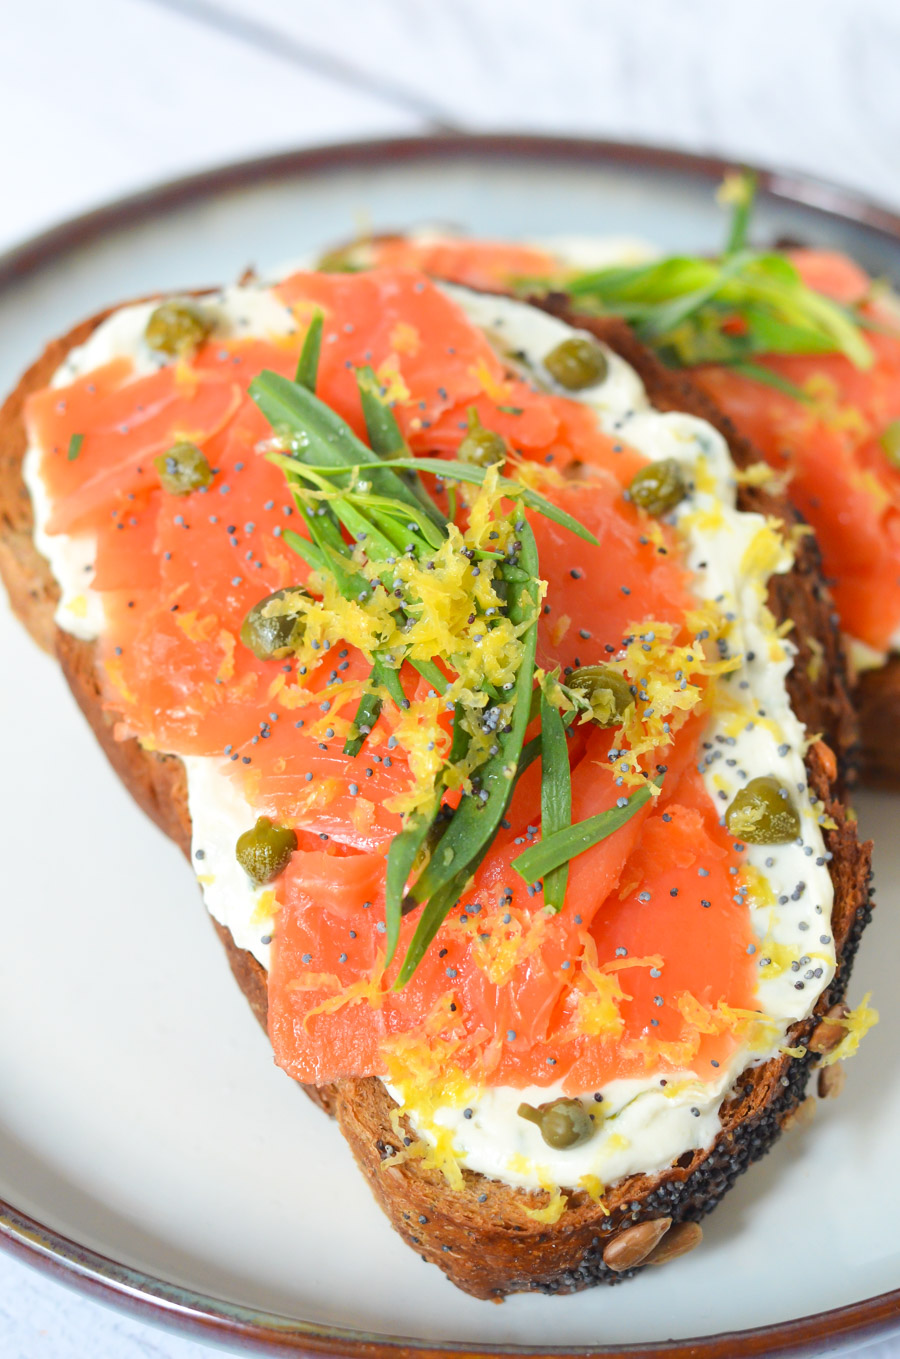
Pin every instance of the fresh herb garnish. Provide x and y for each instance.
(556, 796)
(308, 363)
(550, 853)
(447, 470)
(693, 310)
(75, 446)
(366, 508)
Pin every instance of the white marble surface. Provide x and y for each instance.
(101, 99)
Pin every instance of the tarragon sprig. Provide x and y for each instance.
(375, 495)
(694, 310)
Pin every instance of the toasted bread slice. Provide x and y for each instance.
(870, 752)
(877, 700)
(484, 1237)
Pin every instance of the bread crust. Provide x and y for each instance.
(483, 1237)
(877, 699)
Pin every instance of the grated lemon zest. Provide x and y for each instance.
(856, 1025)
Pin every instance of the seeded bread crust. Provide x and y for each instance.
(483, 1237)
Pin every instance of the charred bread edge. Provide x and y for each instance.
(483, 1238)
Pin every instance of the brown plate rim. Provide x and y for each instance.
(245, 1329)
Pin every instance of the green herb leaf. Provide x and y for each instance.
(75, 446)
(686, 308)
(430, 672)
(889, 439)
(308, 363)
(554, 851)
(437, 909)
(369, 710)
(741, 191)
(556, 795)
(462, 471)
(402, 854)
(320, 430)
(386, 437)
(474, 823)
(759, 373)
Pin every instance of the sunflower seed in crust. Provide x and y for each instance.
(684, 1236)
(632, 1246)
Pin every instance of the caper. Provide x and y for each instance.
(607, 691)
(763, 813)
(577, 363)
(183, 468)
(890, 442)
(563, 1122)
(176, 327)
(265, 851)
(659, 486)
(481, 447)
(274, 626)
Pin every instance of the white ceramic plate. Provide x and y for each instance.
(141, 1115)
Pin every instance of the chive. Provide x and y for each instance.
(75, 446)
(460, 743)
(391, 517)
(390, 679)
(757, 372)
(436, 910)
(335, 559)
(430, 672)
(684, 306)
(308, 363)
(313, 556)
(461, 471)
(667, 315)
(744, 189)
(367, 714)
(405, 847)
(381, 423)
(556, 795)
(433, 916)
(386, 437)
(559, 849)
(889, 439)
(370, 705)
(401, 857)
(474, 823)
(284, 404)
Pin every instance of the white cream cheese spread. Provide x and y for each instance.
(644, 1124)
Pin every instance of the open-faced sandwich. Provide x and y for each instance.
(800, 348)
(500, 708)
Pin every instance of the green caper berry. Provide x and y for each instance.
(763, 813)
(176, 327)
(577, 363)
(563, 1123)
(890, 442)
(183, 468)
(265, 851)
(659, 486)
(481, 447)
(607, 691)
(274, 626)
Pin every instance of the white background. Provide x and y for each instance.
(106, 96)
